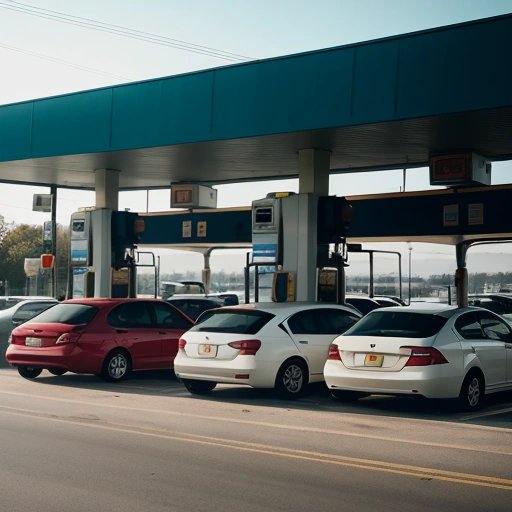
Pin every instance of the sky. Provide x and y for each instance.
(52, 47)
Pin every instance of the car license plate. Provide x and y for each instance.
(373, 360)
(32, 342)
(207, 350)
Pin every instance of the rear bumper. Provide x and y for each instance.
(68, 356)
(431, 382)
(241, 370)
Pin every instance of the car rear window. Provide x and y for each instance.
(239, 322)
(398, 324)
(72, 314)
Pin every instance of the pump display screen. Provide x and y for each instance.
(263, 215)
(78, 225)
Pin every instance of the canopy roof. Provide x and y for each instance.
(388, 103)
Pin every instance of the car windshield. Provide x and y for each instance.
(398, 324)
(232, 321)
(73, 314)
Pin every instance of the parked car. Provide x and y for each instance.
(106, 337)
(7, 301)
(499, 303)
(21, 312)
(386, 302)
(264, 345)
(193, 306)
(433, 350)
(184, 287)
(362, 303)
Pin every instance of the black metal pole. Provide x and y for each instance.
(53, 192)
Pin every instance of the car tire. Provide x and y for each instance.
(199, 387)
(472, 392)
(347, 396)
(291, 379)
(29, 372)
(116, 367)
(57, 371)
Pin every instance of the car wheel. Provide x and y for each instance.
(347, 396)
(291, 379)
(29, 372)
(117, 366)
(199, 387)
(57, 371)
(471, 392)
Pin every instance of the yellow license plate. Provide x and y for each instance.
(373, 360)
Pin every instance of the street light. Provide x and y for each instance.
(409, 246)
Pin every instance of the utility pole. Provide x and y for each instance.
(53, 192)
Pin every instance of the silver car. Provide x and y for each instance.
(21, 312)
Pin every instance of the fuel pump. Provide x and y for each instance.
(334, 218)
(80, 259)
(267, 244)
(120, 243)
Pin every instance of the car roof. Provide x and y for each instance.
(363, 297)
(275, 307)
(421, 307)
(499, 296)
(104, 301)
(200, 298)
(429, 308)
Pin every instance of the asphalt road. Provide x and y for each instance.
(75, 443)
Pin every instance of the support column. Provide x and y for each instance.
(461, 274)
(300, 227)
(107, 200)
(206, 273)
(107, 188)
(314, 166)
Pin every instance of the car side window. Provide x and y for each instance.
(340, 320)
(30, 310)
(169, 318)
(468, 327)
(130, 314)
(321, 321)
(494, 328)
(304, 322)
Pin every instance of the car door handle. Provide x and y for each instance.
(304, 342)
(508, 346)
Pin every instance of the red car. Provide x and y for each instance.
(107, 337)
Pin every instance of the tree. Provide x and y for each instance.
(4, 229)
(21, 242)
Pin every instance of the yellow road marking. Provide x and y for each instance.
(503, 450)
(323, 458)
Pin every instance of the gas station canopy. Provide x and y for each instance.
(388, 103)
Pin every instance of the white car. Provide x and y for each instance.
(19, 312)
(264, 345)
(434, 351)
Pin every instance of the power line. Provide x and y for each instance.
(62, 61)
(121, 31)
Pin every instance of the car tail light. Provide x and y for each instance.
(424, 356)
(333, 353)
(181, 344)
(246, 347)
(68, 337)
